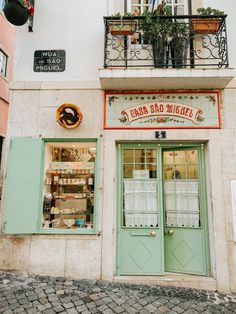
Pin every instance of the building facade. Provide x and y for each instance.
(119, 155)
(7, 36)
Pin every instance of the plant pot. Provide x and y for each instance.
(159, 46)
(178, 47)
(122, 27)
(206, 26)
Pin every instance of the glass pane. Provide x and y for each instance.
(135, 10)
(179, 157)
(139, 155)
(179, 10)
(179, 2)
(135, 2)
(191, 156)
(128, 156)
(140, 203)
(181, 190)
(152, 170)
(140, 167)
(168, 170)
(151, 155)
(168, 158)
(170, 202)
(69, 185)
(192, 172)
(179, 172)
(128, 171)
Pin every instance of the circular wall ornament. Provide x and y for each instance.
(69, 116)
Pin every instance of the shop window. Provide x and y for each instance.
(50, 187)
(3, 63)
(69, 185)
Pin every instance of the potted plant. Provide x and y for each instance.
(207, 25)
(122, 26)
(167, 37)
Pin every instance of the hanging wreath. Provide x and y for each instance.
(69, 116)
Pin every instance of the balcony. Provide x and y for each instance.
(187, 52)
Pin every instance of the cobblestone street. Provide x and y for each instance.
(38, 294)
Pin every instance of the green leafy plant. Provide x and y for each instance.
(209, 11)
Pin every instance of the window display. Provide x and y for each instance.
(69, 185)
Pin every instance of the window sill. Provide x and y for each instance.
(4, 77)
(78, 231)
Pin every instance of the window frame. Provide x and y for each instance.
(24, 187)
(76, 231)
(173, 5)
(3, 66)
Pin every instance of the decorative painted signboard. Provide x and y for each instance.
(69, 116)
(49, 60)
(162, 110)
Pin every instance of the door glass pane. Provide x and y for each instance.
(192, 157)
(181, 189)
(192, 172)
(179, 157)
(140, 193)
(139, 166)
(128, 156)
(128, 171)
(179, 172)
(152, 170)
(139, 155)
(168, 170)
(151, 155)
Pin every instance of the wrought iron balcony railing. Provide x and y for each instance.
(187, 41)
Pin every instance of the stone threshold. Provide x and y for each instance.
(172, 279)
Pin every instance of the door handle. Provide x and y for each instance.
(170, 232)
(153, 234)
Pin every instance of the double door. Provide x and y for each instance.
(162, 215)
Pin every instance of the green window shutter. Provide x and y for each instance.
(23, 186)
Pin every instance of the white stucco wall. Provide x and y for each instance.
(75, 26)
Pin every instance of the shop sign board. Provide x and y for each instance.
(162, 110)
(69, 116)
(49, 60)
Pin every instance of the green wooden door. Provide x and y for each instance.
(22, 194)
(184, 211)
(140, 224)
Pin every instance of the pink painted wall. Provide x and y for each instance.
(7, 39)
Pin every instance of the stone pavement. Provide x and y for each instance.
(43, 294)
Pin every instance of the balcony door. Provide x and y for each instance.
(177, 7)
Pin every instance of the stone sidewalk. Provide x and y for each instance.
(38, 294)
